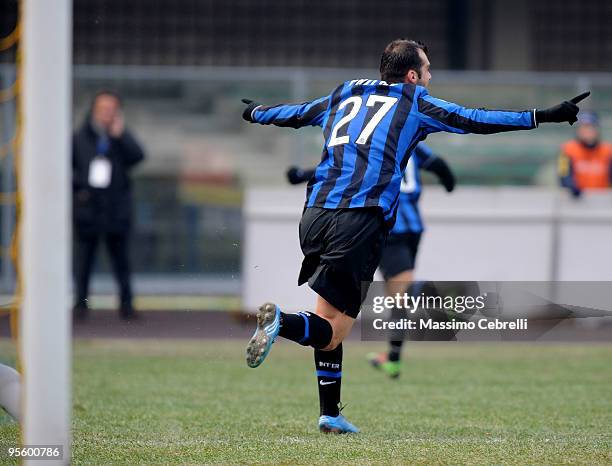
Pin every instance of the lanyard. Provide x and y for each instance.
(102, 145)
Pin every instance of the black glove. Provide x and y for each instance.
(565, 111)
(296, 175)
(248, 111)
(443, 172)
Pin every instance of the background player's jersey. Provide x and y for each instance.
(370, 129)
(408, 217)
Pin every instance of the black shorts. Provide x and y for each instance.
(399, 254)
(342, 249)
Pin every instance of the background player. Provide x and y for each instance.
(399, 254)
(370, 128)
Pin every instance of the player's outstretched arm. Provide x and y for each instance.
(440, 115)
(296, 175)
(287, 115)
(445, 175)
(435, 164)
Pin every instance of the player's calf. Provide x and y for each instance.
(307, 329)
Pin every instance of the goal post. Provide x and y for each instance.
(45, 180)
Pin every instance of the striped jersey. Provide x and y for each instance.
(408, 217)
(370, 128)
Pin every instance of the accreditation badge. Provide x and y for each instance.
(100, 172)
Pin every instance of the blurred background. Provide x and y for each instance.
(183, 65)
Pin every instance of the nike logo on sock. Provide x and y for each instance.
(322, 382)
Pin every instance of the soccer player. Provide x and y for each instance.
(400, 251)
(370, 128)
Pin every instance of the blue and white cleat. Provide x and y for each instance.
(268, 326)
(336, 425)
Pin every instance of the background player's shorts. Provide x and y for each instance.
(342, 249)
(399, 254)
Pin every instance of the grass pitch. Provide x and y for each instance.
(180, 402)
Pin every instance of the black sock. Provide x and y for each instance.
(306, 329)
(395, 350)
(395, 345)
(329, 378)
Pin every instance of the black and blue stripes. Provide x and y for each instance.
(370, 129)
(440, 115)
(293, 116)
(304, 339)
(305, 328)
(408, 217)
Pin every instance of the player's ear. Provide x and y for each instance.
(411, 77)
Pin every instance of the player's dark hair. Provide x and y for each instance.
(399, 57)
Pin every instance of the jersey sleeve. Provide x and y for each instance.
(424, 155)
(439, 115)
(427, 160)
(293, 115)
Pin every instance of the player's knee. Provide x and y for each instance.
(340, 324)
(336, 339)
(332, 346)
(330, 336)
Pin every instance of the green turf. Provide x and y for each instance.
(152, 402)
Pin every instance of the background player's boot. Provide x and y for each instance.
(380, 361)
(268, 326)
(336, 425)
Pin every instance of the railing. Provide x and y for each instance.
(201, 154)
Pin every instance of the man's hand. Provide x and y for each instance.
(444, 173)
(248, 111)
(565, 111)
(296, 175)
(116, 128)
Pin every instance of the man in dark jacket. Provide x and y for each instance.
(103, 152)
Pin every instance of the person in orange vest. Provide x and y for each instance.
(585, 162)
